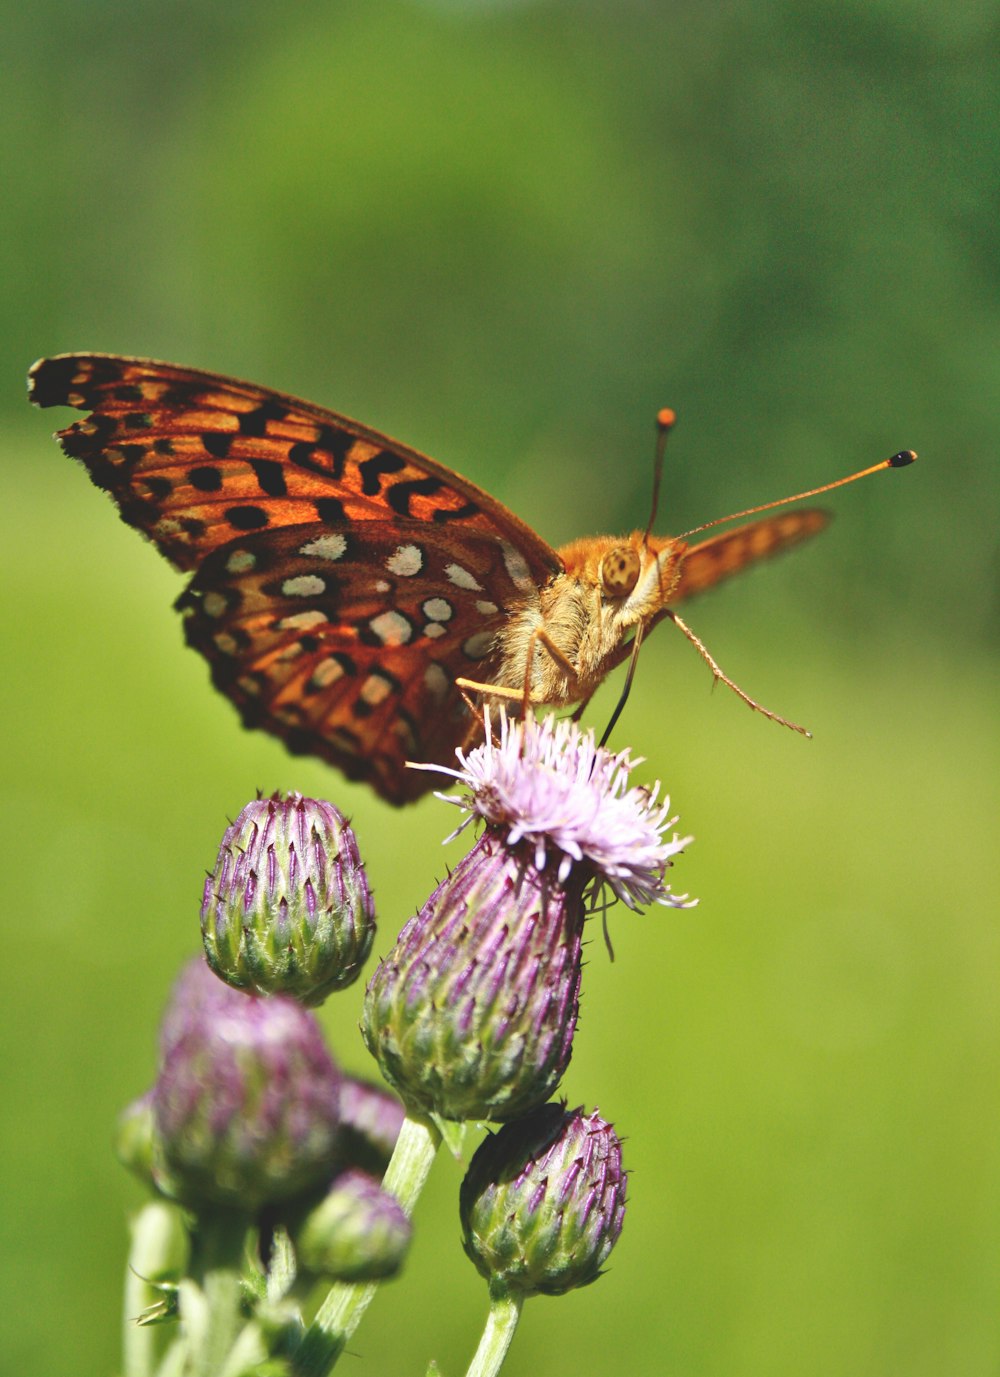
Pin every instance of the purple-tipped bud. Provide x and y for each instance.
(287, 909)
(543, 1201)
(370, 1120)
(358, 1232)
(246, 1106)
(472, 1014)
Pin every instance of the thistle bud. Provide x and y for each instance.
(472, 1014)
(370, 1120)
(135, 1136)
(358, 1232)
(246, 1104)
(287, 909)
(543, 1201)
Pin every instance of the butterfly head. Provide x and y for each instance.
(634, 575)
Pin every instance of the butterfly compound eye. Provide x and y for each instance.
(620, 571)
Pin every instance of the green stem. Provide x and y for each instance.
(341, 1311)
(505, 1311)
(220, 1258)
(158, 1253)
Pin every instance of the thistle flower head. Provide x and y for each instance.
(287, 909)
(548, 785)
(246, 1106)
(543, 1202)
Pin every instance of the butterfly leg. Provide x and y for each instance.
(541, 637)
(524, 695)
(581, 708)
(714, 666)
(509, 695)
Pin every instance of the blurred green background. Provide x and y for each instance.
(508, 233)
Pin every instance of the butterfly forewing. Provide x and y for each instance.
(220, 458)
(343, 581)
(721, 556)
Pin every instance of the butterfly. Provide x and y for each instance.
(348, 592)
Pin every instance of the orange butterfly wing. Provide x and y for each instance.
(721, 556)
(342, 581)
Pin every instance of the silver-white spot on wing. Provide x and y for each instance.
(461, 578)
(476, 647)
(214, 604)
(392, 628)
(517, 567)
(303, 621)
(304, 586)
(437, 609)
(436, 682)
(327, 672)
(405, 561)
(375, 690)
(325, 546)
(240, 561)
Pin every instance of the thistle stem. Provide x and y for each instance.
(345, 1304)
(157, 1252)
(221, 1245)
(505, 1311)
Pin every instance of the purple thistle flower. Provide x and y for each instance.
(543, 1202)
(287, 909)
(246, 1106)
(472, 1014)
(548, 784)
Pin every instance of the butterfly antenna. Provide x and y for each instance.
(897, 461)
(665, 421)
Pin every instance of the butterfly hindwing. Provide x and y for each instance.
(348, 645)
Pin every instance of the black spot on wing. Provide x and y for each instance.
(254, 423)
(330, 510)
(444, 514)
(270, 476)
(401, 494)
(374, 469)
(51, 381)
(325, 455)
(205, 477)
(88, 438)
(247, 518)
(218, 442)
